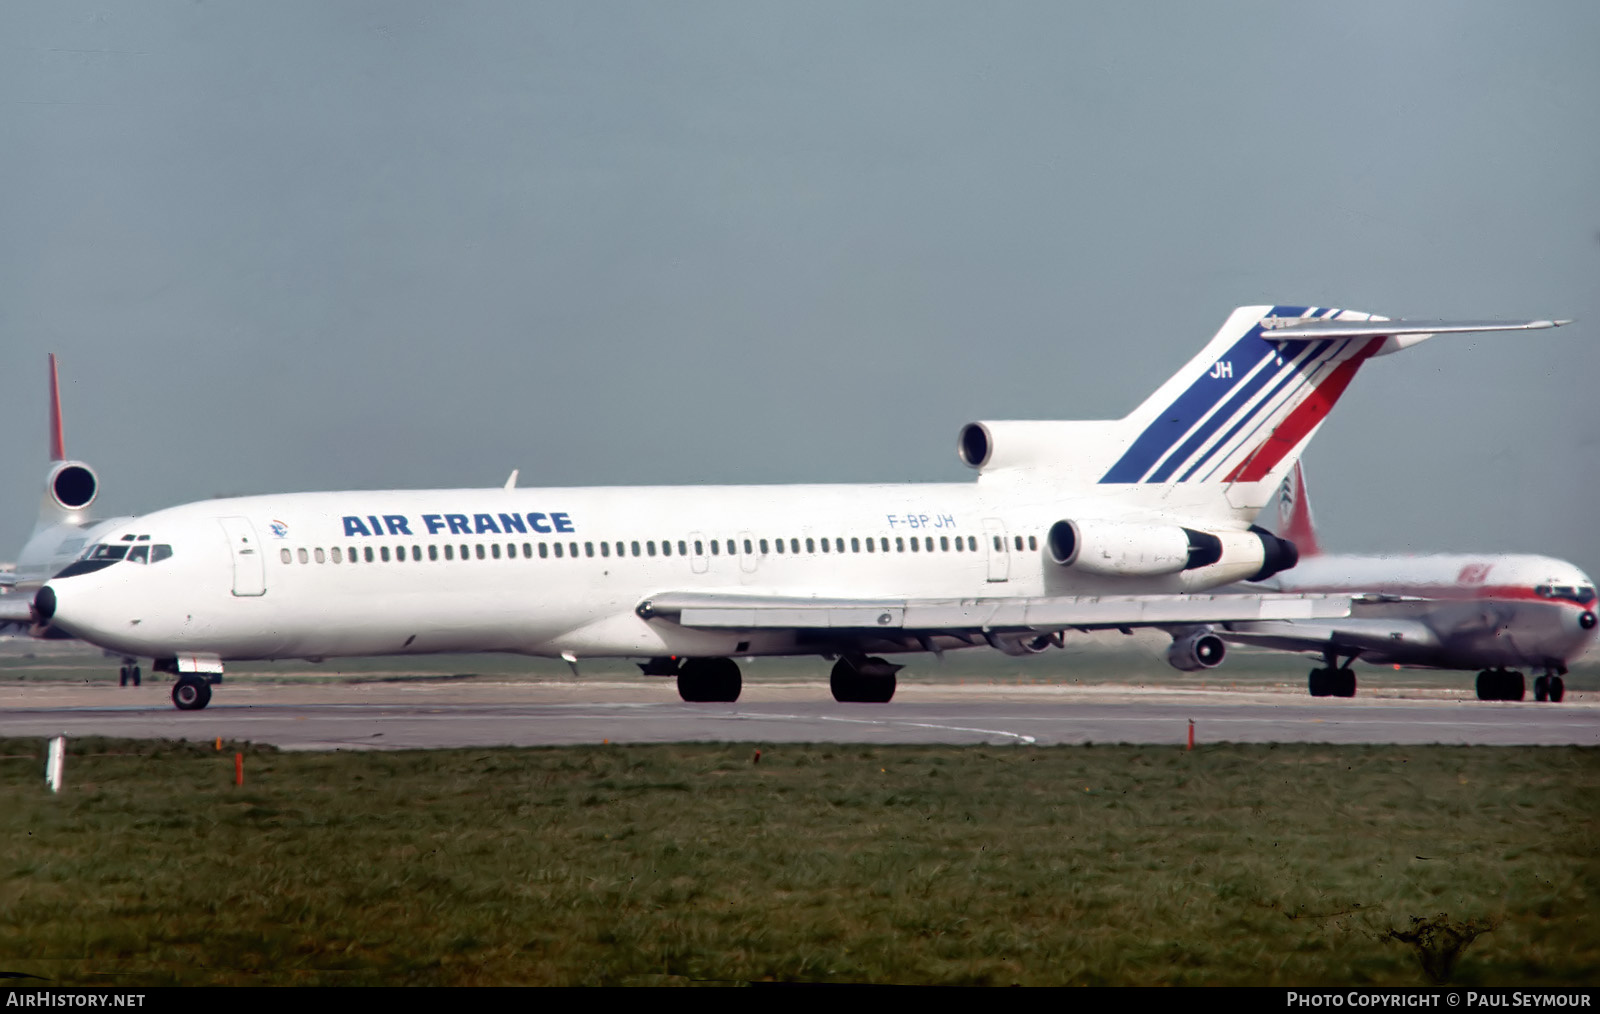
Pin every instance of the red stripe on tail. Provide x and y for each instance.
(1288, 434)
(58, 450)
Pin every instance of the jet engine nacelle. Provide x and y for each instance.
(69, 489)
(1199, 650)
(1120, 549)
(1130, 550)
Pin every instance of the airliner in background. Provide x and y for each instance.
(65, 527)
(1444, 611)
(1070, 525)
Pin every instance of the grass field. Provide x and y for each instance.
(695, 863)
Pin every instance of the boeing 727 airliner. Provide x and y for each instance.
(1070, 525)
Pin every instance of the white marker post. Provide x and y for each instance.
(54, 761)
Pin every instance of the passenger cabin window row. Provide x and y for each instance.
(648, 548)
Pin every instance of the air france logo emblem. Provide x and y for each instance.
(279, 529)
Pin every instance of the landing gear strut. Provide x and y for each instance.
(702, 680)
(1335, 680)
(1503, 685)
(858, 680)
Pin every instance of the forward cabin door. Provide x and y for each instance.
(249, 570)
(994, 544)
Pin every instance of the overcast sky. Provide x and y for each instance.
(294, 246)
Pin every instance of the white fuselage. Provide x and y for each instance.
(1483, 611)
(561, 571)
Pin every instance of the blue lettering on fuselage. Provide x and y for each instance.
(460, 524)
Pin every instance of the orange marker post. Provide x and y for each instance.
(238, 769)
(1191, 735)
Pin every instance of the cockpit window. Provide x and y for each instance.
(105, 552)
(139, 554)
(1583, 594)
(160, 551)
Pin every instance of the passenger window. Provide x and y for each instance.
(494, 550)
(855, 545)
(283, 554)
(944, 543)
(433, 553)
(811, 546)
(927, 543)
(605, 549)
(899, 544)
(588, 549)
(574, 547)
(716, 547)
(699, 550)
(368, 553)
(449, 551)
(914, 546)
(650, 547)
(139, 554)
(384, 552)
(794, 545)
(466, 551)
(825, 546)
(972, 543)
(318, 555)
(838, 544)
(416, 553)
(777, 544)
(998, 544)
(1019, 543)
(763, 547)
(1033, 542)
(666, 548)
(733, 550)
(558, 550)
(748, 549)
(336, 555)
(872, 545)
(479, 548)
(544, 551)
(621, 550)
(635, 547)
(683, 548)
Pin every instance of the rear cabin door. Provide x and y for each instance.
(994, 543)
(249, 570)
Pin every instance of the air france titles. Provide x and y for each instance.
(459, 524)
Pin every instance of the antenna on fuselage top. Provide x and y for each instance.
(511, 483)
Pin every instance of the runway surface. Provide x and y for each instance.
(425, 715)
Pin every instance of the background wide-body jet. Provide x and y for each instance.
(1070, 525)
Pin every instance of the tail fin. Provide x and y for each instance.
(1294, 513)
(1239, 414)
(58, 450)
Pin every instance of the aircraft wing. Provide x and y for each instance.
(8, 579)
(1374, 637)
(979, 616)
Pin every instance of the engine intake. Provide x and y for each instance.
(72, 485)
(1199, 650)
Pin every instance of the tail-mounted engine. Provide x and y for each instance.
(1119, 549)
(1195, 651)
(71, 487)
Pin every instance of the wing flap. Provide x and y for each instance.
(694, 609)
(1365, 635)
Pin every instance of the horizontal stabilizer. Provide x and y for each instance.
(16, 608)
(1308, 329)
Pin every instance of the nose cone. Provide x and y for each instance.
(44, 604)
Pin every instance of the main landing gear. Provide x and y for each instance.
(130, 673)
(709, 679)
(860, 680)
(1510, 685)
(191, 693)
(1335, 680)
(856, 679)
